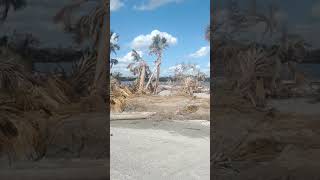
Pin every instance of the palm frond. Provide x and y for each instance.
(158, 45)
(83, 73)
(13, 76)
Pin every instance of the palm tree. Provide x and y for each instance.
(158, 45)
(113, 48)
(113, 62)
(138, 67)
(113, 42)
(239, 20)
(101, 76)
(96, 27)
(6, 5)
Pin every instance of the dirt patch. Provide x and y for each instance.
(173, 107)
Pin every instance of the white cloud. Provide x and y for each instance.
(203, 51)
(115, 5)
(208, 65)
(178, 68)
(153, 4)
(173, 68)
(121, 68)
(128, 57)
(123, 63)
(142, 42)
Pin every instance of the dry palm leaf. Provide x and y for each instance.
(87, 26)
(35, 98)
(12, 76)
(83, 73)
(57, 89)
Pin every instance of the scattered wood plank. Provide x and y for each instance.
(131, 115)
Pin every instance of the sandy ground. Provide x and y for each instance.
(171, 107)
(159, 150)
(165, 146)
(248, 144)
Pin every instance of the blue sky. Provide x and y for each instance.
(182, 22)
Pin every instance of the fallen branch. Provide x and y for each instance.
(131, 115)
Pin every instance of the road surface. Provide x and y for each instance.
(160, 150)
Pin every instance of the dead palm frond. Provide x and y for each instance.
(36, 98)
(13, 76)
(158, 45)
(25, 92)
(65, 14)
(83, 73)
(88, 26)
(58, 90)
(95, 27)
(139, 68)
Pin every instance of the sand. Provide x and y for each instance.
(170, 107)
(172, 144)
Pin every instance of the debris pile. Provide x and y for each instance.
(31, 105)
(118, 96)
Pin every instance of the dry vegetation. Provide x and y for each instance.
(32, 106)
(250, 139)
(247, 143)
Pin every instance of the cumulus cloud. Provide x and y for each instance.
(121, 68)
(142, 42)
(179, 69)
(203, 51)
(123, 62)
(153, 4)
(128, 57)
(115, 5)
(176, 67)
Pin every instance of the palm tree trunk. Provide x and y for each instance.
(150, 78)
(158, 74)
(100, 79)
(157, 79)
(142, 78)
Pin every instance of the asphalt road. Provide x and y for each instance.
(156, 150)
